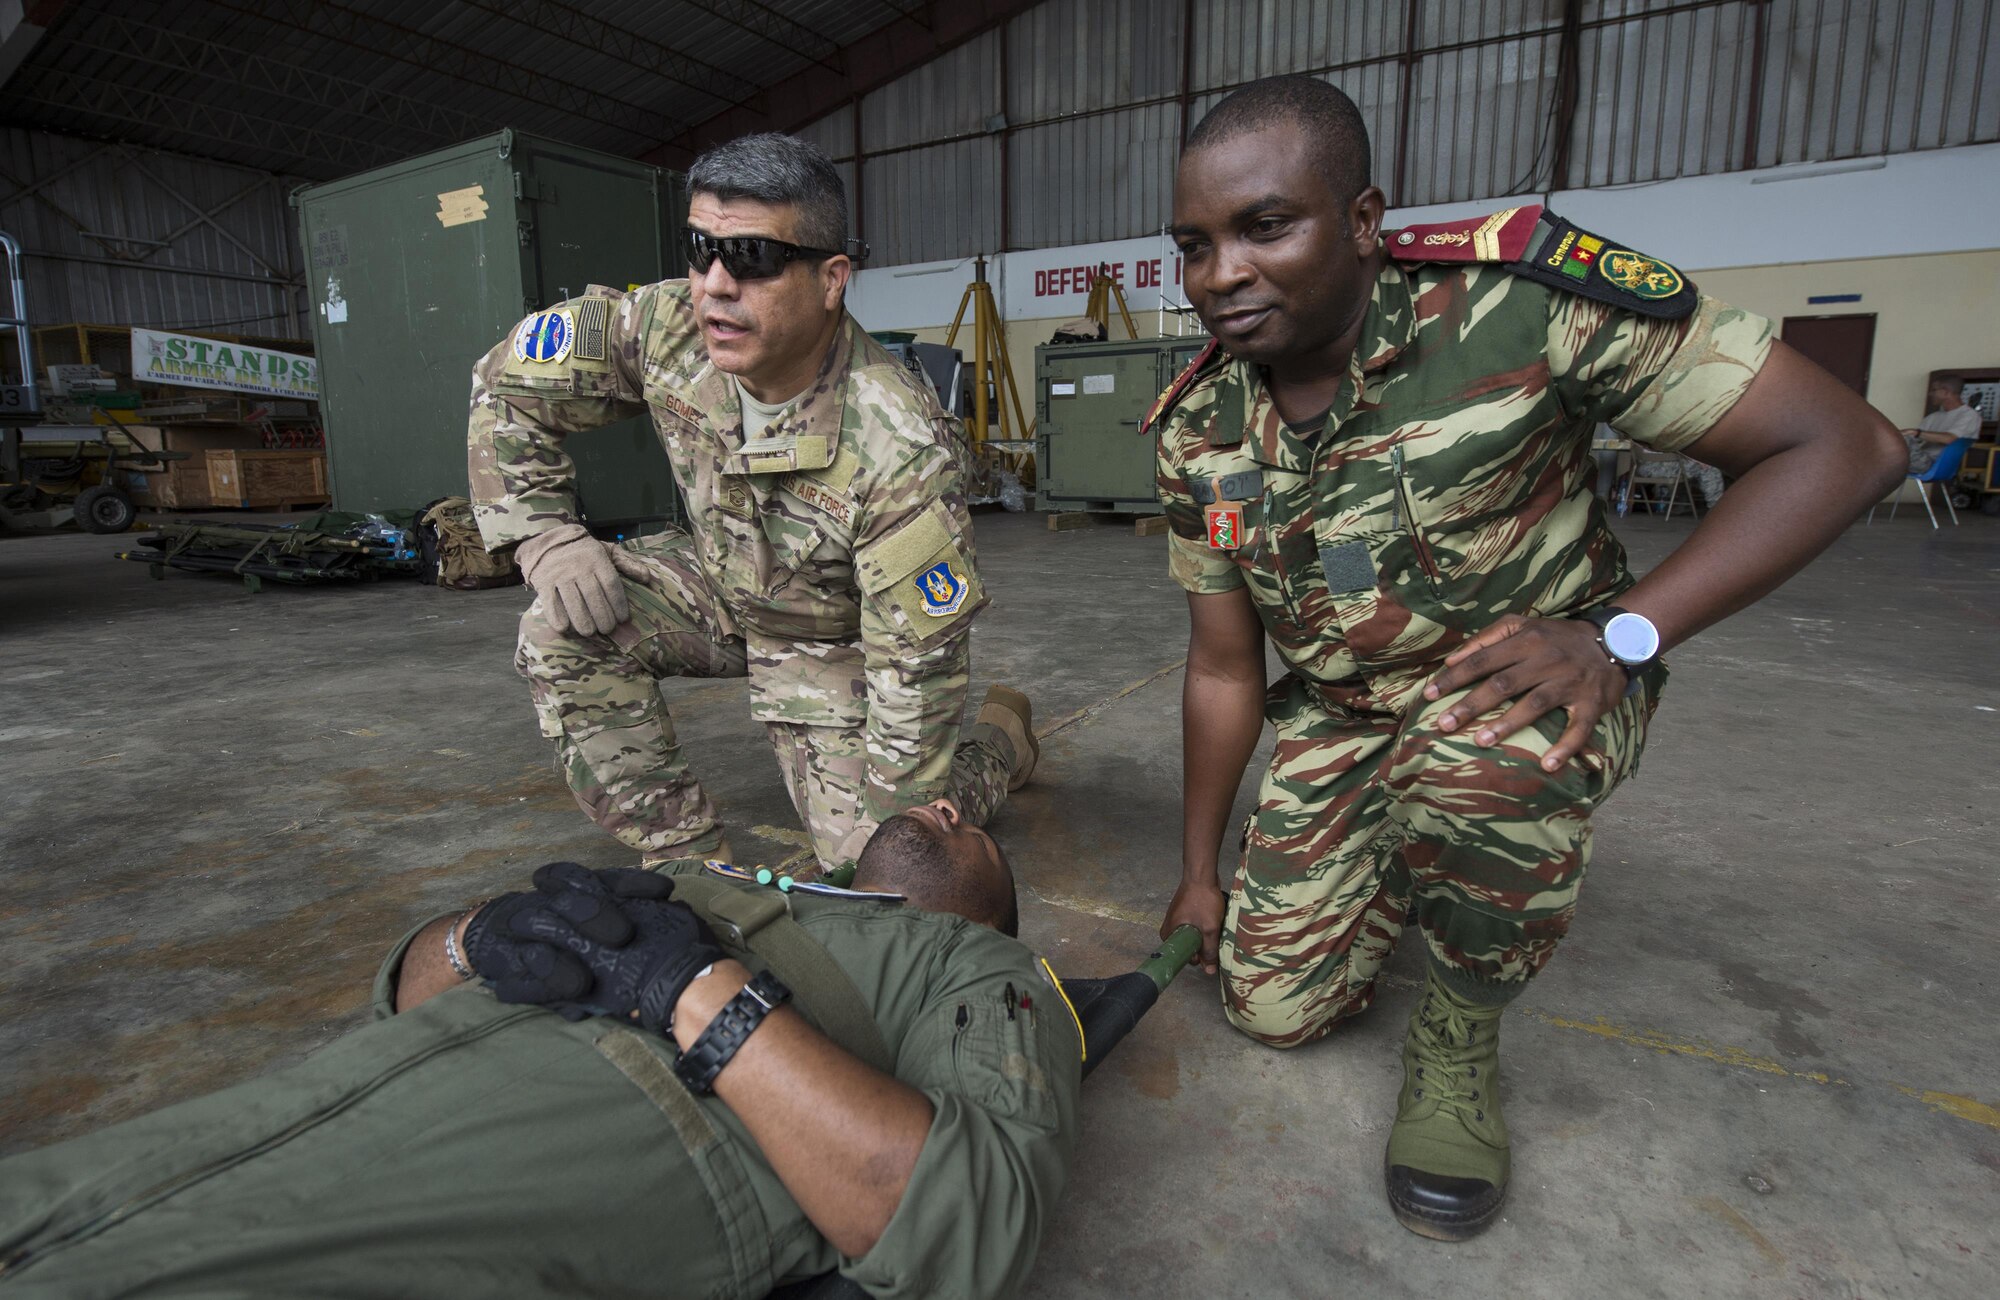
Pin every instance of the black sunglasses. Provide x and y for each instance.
(753, 257)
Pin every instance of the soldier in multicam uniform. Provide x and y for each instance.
(829, 551)
(1385, 468)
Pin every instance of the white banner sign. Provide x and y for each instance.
(162, 358)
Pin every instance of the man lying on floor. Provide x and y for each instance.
(906, 1118)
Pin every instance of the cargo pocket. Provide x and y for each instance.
(995, 1060)
(920, 578)
(569, 378)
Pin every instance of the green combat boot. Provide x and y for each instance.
(1446, 1164)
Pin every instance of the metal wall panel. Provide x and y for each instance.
(1079, 56)
(954, 94)
(1108, 176)
(119, 235)
(924, 205)
(1235, 41)
(1663, 88)
(1479, 122)
(834, 134)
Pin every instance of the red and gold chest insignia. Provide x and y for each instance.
(1225, 525)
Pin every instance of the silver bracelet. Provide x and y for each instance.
(451, 953)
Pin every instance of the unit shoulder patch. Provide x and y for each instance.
(546, 337)
(1210, 355)
(1567, 257)
(943, 589)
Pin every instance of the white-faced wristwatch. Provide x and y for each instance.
(1629, 640)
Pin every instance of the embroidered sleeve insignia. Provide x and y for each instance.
(942, 588)
(1225, 525)
(1568, 257)
(546, 337)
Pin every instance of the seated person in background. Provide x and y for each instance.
(1951, 420)
(906, 1119)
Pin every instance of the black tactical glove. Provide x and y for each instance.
(534, 947)
(647, 974)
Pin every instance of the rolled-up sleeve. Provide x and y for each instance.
(1190, 560)
(999, 1061)
(1662, 383)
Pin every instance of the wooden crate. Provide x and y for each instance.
(183, 485)
(266, 480)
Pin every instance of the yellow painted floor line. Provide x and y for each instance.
(1952, 1104)
(1669, 1044)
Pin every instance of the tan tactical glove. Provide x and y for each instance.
(573, 574)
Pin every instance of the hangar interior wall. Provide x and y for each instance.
(1913, 235)
(1060, 126)
(116, 234)
(1665, 123)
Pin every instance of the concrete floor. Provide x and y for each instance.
(1764, 1064)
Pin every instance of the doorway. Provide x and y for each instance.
(1843, 346)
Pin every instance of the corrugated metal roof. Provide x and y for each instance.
(321, 88)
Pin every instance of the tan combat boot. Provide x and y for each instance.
(1008, 710)
(1447, 1161)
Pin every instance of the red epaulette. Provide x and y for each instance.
(1539, 245)
(1167, 399)
(1501, 237)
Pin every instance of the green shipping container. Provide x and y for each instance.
(417, 268)
(1089, 399)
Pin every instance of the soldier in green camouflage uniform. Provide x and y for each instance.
(829, 550)
(464, 1146)
(1384, 469)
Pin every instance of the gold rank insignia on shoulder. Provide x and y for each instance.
(1501, 237)
(1538, 245)
(1564, 256)
(546, 337)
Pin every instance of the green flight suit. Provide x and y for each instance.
(469, 1148)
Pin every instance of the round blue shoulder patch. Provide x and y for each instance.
(545, 337)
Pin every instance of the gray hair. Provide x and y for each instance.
(779, 169)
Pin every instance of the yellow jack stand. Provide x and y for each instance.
(1103, 289)
(989, 358)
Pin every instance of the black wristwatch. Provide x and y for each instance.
(1629, 640)
(718, 1044)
